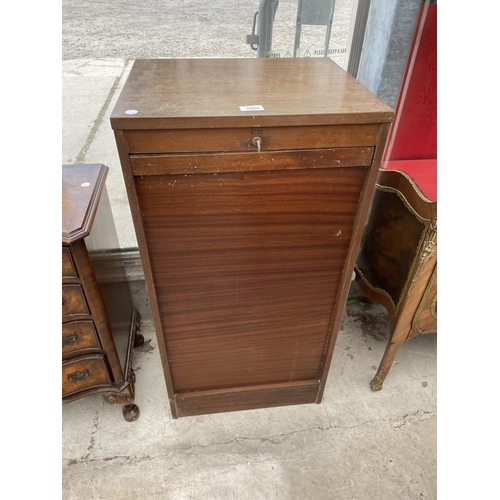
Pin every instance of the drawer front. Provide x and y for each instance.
(68, 267)
(79, 335)
(73, 301)
(425, 320)
(84, 373)
(240, 139)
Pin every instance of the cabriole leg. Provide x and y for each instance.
(398, 336)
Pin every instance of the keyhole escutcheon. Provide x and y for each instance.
(257, 141)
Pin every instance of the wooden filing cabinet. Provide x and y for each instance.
(249, 182)
(99, 322)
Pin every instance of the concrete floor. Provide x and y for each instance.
(356, 444)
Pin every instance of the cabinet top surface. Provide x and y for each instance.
(191, 93)
(81, 189)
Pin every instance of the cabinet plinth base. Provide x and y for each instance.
(246, 398)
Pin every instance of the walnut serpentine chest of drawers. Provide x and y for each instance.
(249, 182)
(99, 321)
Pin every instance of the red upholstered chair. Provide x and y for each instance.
(397, 261)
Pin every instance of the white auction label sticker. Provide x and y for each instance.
(255, 107)
(131, 112)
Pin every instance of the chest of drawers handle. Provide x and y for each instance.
(69, 340)
(78, 377)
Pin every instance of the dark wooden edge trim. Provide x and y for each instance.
(69, 318)
(339, 306)
(71, 281)
(91, 210)
(84, 358)
(176, 164)
(128, 177)
(246, 398)
(252, 121)
(97, 309)
(66, 356)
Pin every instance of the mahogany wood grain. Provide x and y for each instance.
(247, 274)
(248, 257)
(238, 162)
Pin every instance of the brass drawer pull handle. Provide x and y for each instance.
(69, 340)
(78, 377)
(257, 141)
